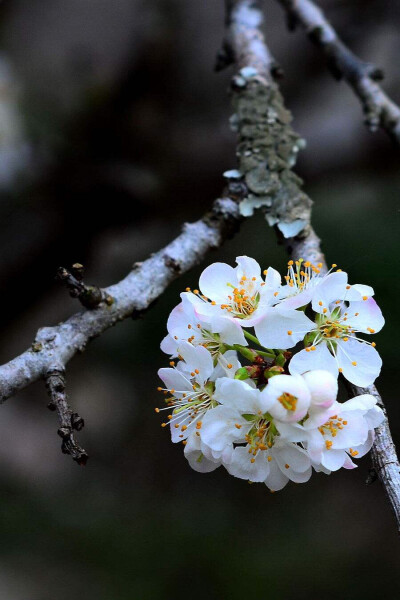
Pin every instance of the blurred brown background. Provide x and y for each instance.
(113, 131)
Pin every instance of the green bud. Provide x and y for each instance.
(280, 360)
(242, 374)
(268, 373)
(246, 352)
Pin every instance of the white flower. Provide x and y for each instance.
(244, 415)
(342, 432)
(185, 323)
(240, 293)
(335, 345)
(191, 394)
(303, 278)
(201, 458)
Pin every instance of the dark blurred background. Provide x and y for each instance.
(113, 131)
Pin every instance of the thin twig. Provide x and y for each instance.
(379, 109)
(55, 384)
(90, 296)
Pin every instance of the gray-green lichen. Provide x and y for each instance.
(267, 150)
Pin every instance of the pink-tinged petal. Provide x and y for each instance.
(247, 267)
(358, 291)
(282, 328)
(222, 426)
(333, 459)
(276, 480)
(365, 316)
(323, 387)
(216, 281)
(169, 346)
(348, 463)
(361, 363)
(174, 380)
(331, 288)
(320, 358)
(237, 394)
(196, 458)
(198, 358)
(242, 467)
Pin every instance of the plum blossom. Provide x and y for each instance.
(244, 417)
(185, 323)
(243, 296)
(304, 281)
(334, 344)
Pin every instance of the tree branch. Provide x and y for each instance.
(55, 346)
(259, 164)
(379, 109)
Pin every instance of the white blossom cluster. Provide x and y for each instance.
(274, 416)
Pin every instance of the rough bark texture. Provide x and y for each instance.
(379, 109)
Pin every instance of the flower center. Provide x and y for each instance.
(261, 435)
(288, 401)
(244, 300)
(332, 427)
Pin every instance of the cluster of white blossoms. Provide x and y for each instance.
(274, 416)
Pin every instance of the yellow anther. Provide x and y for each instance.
(328, 444)
(325, 311)
(373, 344)
(172, 364)
(238, 426)
(229, 366)
(196, 292)
(289, 332)
(354, 363)
(269, 458)
(348, 287)
(252, 460)
(333, 266)
(320, 303)
(313, 348)
(371, 330)
(365, 297)
(157, 410)
(287, 466)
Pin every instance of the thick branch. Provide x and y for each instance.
(55, 346)
(379, 109)
(262, 160)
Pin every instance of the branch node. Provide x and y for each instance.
(90, 296)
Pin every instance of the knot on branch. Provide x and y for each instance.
(89, 295)
(69, 420)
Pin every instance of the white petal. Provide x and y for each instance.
(333, 459)
(290, 454)
(229, 330)
(276, 480)
(174, 380)
(300, 477)
(196, 458)
(272, 330)
(247, 267)
(331, 288)
(320, 358)
(242, 467)
(364, 316)
(368, 362)
(169, 346)
(357, 291)
(198, 358)
(237, 394)
(216, 281)
(374, 417)
(219, 429)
